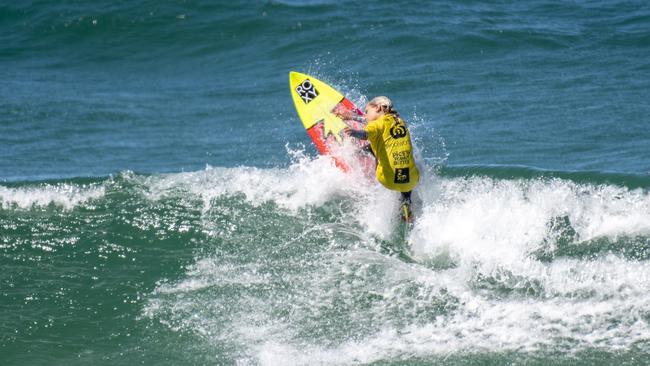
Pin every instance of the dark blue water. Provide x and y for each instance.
(96, 89)
(161, 203)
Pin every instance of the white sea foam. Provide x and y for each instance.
(308, 181)
(65, 195)
(495, 293)
(599, 304)
(504, 220)
(562, 321)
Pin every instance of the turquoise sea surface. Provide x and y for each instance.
(161, 203)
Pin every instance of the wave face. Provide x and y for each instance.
(306, 265)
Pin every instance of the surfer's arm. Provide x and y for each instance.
(349, 115)
(358, 134)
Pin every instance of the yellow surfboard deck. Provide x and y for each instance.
(316, 103)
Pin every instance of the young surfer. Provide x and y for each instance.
(390, 141)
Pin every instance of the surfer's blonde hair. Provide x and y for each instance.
(384, 104)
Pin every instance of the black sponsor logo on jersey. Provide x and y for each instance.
(397, 131)
(401, 175)
(307, 91)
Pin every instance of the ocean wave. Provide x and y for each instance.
(500, 259)
(65, 195)
(491, 269)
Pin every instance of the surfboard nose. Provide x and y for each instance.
(296, 77)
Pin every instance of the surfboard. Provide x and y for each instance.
(316, 103)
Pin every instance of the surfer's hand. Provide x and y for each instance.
(357, 134)
(343, 113)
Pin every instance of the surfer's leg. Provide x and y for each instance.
(406, 197)
(405, 207)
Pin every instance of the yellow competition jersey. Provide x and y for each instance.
(391, 142)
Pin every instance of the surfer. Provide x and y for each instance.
(390, 141)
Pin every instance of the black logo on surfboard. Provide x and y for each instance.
(307, 91)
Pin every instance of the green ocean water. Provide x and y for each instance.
(160, 202)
